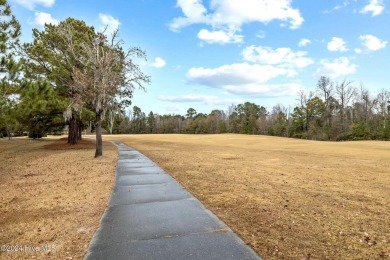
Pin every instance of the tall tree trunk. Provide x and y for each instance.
(99, 141)
(8, 133)
(73, 130)
(80, 130)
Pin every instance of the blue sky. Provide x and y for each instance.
(211, 54)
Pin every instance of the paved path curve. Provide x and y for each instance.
(151, 216)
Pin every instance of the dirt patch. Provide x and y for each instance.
(288, 199)
(52, 197)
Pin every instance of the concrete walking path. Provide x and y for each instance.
(151, 216)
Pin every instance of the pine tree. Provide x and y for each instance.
(48, 56)
(9, 67)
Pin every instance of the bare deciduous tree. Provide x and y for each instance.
(325, 89)
(383, 99)
(304, 97)
(109, 74)
(367, 102)
(345, 91)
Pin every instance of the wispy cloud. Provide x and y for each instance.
(42, 18)
(236, 74)
(30, 4)
(372, 43)
(227, 16)
(158, 63)
(338, 7)
(282, 57)
(335, 68)
(199, 98)
(108, 23)
(244, 79)
(220, 36)
(266, 90)
(337, 44)
(304, 42)
(375, 7)
(260, 34)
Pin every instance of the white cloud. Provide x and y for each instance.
(30, 4)
(304, 42)
(194, 12)
(238, 12)
(344, 4)
(244, 78)
(220, 37)
(109, 23)
(283, 57)
(236, 74)
(375, 7)
(158, 63)
(372, 43)
(266, 90)
(233, 14)
(205, 99)
(337, 44)
(42, 18)
(357, 50)
(335, 68)
(341, 6)
(253, 79)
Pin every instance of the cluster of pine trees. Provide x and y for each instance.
(335, 111)
(69, 75)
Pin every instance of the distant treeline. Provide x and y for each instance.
(71, 77)
(335, 111)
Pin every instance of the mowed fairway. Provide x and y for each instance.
(287, 198)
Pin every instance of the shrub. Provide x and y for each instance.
(343, 136)
(36, 134)
(360, 131)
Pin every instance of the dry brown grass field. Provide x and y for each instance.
(288, 199)
(52, 194)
